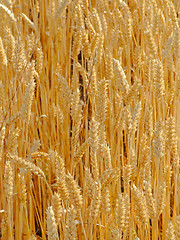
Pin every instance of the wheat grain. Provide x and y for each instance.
(51, 225)
(8, 175)
(3, 58)
(71, 228)
(75, 196)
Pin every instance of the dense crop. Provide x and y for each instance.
(90, 119)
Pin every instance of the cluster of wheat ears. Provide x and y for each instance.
(89, 119)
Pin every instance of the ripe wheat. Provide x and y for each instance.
(90, 119)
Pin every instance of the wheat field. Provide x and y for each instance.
(90, 119)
